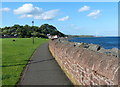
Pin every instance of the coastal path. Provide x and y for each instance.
(43, 70)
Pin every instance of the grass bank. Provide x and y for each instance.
(15, 55)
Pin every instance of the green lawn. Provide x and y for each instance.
(15, 54)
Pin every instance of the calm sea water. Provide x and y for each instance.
(106, 42)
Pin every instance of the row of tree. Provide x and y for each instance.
(28, 31)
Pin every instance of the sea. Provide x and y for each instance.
(105, 42)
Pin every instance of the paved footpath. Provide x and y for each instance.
(43, 70)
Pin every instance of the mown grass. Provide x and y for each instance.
(15, 55)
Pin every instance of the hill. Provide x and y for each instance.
(71, 36)
(28, 31)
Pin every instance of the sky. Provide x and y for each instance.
(60, 0)
(74, 18)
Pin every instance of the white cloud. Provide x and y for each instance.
(84, 8)
(5, 9)
(94, 14)
(64, 18)
(48, 15)
(26, 16)
(29, 11)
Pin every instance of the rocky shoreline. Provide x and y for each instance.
(93, 47)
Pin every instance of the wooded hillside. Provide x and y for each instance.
(28, 31)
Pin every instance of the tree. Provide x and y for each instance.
(27, 31)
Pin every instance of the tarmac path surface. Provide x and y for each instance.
(43, 70)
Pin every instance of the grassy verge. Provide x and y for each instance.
(15, 55)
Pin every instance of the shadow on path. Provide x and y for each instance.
(28, 63)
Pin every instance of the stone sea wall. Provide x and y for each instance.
(83, 66)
